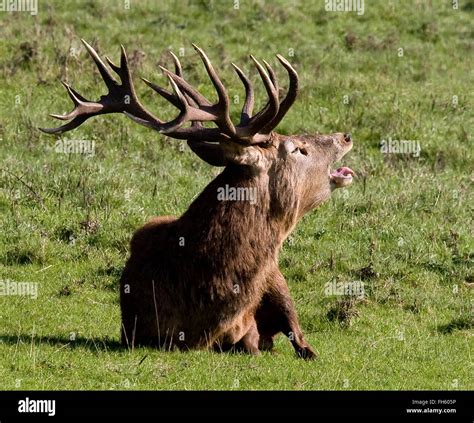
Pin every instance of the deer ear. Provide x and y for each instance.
(210, 153)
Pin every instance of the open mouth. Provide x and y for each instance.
(342, 176)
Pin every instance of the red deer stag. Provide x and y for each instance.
(210, 278)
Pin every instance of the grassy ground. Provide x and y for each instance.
(404, 228)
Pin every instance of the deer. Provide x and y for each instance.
(210, 279)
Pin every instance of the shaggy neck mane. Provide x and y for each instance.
(242, 230)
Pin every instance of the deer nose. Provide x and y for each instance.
(347, 137)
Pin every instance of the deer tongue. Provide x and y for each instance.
(341, 177)
(343, 172)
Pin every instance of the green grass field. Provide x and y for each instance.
(404, 228)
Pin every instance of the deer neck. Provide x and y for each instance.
(237, 216)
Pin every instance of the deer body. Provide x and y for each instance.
(205, 255)
(210, 278)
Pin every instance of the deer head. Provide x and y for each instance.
(296, 169)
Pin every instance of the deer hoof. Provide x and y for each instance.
(307, 353)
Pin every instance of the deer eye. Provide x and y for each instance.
(302, 150)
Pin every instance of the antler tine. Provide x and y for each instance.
(178, 69)
(66, 127)
(187, 88)
(75, 96)
(290, 98)
(223, 98)
(218, 85)
(272, 74)
(163, 92)
(104, 72)
(268, 113)
(294, 84)
(247, 108)
(112, 65)
(274, 80)
(124, 72)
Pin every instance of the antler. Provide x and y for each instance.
(193, 106)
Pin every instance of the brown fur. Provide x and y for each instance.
(211, 277)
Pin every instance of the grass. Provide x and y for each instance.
(404, 228)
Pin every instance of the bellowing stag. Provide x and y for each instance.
(210, 278)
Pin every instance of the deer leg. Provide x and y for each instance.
(243, 336)
(276, 313)
(249, 342)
